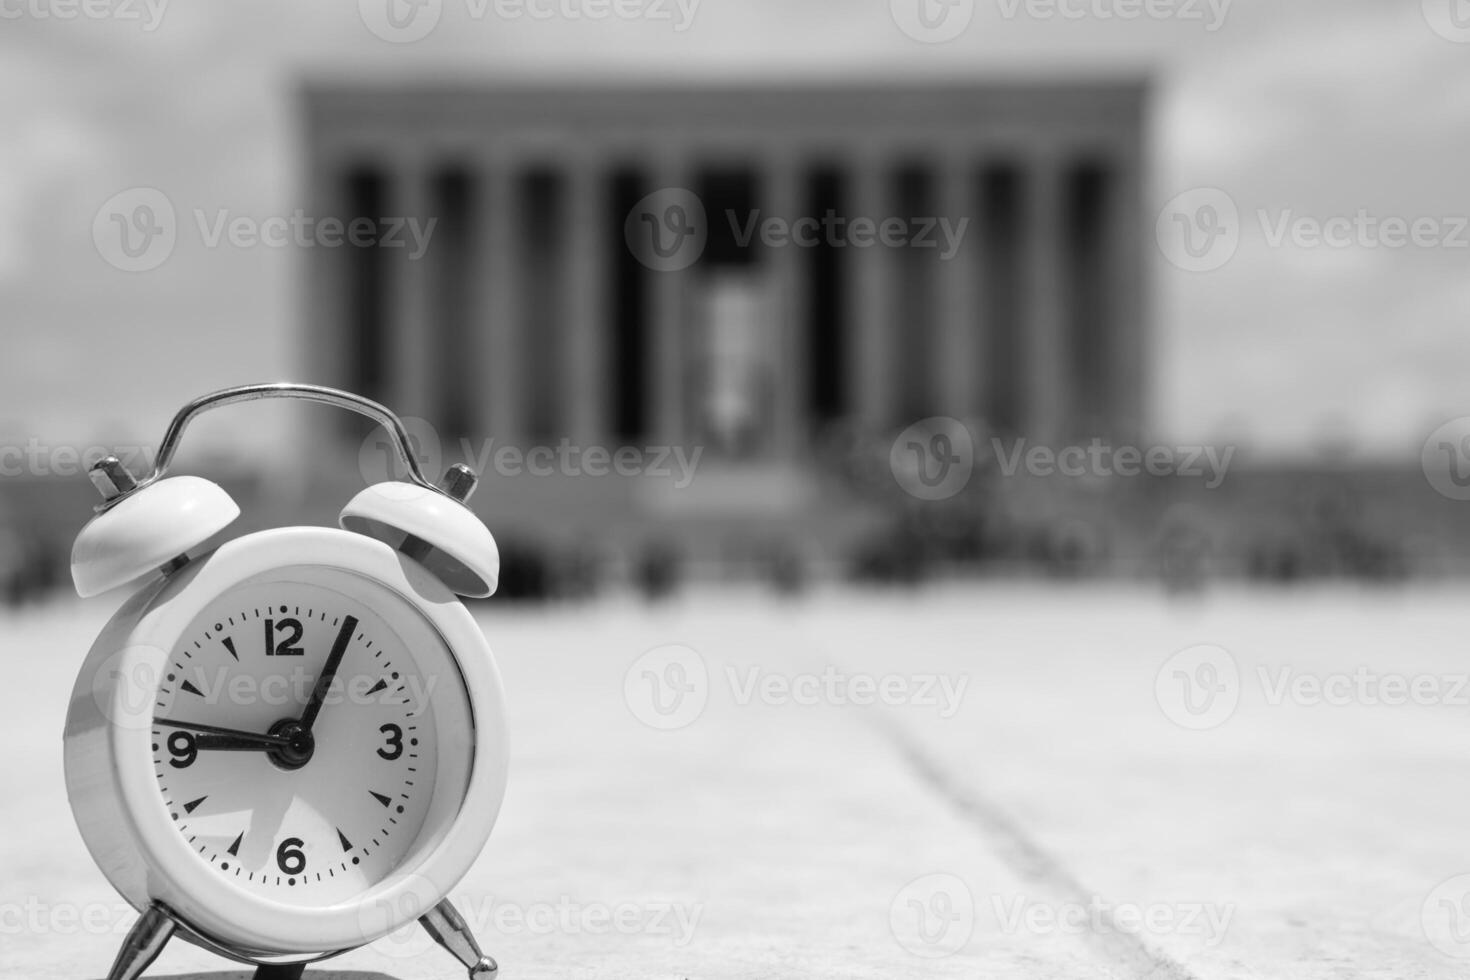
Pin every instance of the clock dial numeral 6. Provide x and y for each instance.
(282, 638)
(289, 856)
(394, 747)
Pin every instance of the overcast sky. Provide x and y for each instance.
(1319, 109)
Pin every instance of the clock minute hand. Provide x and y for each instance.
(329, 671)
(256, 738)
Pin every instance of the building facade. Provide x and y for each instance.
(1009, 290)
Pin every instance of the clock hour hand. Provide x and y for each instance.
(329, 671)
(234, 743)
(256, 739)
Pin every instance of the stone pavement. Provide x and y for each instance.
(695, 794)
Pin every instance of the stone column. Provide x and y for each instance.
(330, 337)
(667, 341)
(1046, 300)
(500, 307)
(331, 346)
(958, 350)
(782, 189)
(412, 337)
(585, 278)
(1128, 314)
(870, 368)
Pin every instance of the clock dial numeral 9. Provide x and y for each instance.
(282, 638)
(181, 747)
(289, 856)
(394, 747)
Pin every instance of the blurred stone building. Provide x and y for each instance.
(1010, 291)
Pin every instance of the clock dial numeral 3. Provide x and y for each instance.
(394, 748)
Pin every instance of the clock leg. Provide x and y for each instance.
(448, 929)
(146, 940)
(276, 971)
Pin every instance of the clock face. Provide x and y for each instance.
(310, 735)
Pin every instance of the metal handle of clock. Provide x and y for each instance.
(286, 389)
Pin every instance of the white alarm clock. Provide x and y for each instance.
(292, 744)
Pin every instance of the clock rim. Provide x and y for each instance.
(114, 797)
